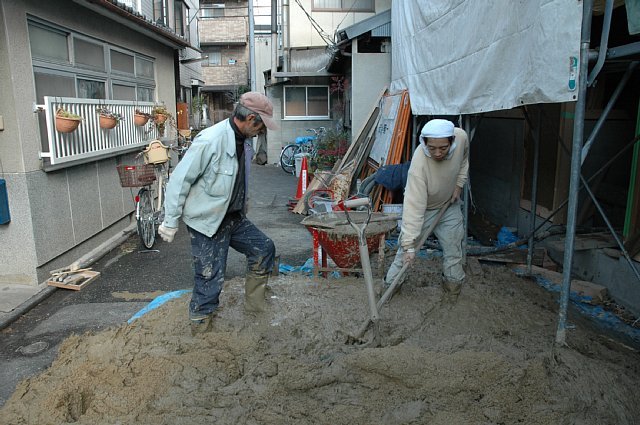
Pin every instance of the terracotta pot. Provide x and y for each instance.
(159, 118)
(140, 120)
(107, 122)
(66, 125)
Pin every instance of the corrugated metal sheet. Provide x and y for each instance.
(382, 31)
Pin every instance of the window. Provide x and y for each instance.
(343, 5)
(90, 55)
(212, 11)
(215, 57)
(87, 73)
(144, 68)
(306, 102)
(123, 91)
(91, 89)
(53, 84)
(145, 94)
(180, 14)
(47, 43)
(160, 15)
(122, 62)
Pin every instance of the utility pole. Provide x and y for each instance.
(252, 48)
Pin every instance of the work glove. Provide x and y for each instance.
(409, 256)
(167, 233)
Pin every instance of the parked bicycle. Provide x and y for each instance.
(152, 178)
(303, 144)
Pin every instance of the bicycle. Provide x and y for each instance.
(303, 144)
(156, 168)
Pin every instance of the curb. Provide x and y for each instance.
(82, 262)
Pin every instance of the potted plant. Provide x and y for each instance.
(160, 116)
(66, 122)
(331, 148)
(140, 118)
(107, 118)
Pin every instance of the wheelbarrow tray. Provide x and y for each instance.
(340, 241)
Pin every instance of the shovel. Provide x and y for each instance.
(374, 316)
(397, 282)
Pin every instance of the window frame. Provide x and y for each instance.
(306, 103)
(343, 9)
(83, 71)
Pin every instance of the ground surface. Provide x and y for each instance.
(487, 359)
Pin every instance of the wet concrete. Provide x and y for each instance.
(132, 276)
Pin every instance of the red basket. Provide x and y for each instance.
(136, 175)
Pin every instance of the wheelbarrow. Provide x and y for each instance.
(333, 234)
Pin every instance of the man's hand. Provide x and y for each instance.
(456, 194)
(167, 233)
(409, 256)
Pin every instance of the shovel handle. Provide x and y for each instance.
(396, 282)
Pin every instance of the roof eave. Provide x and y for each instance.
(136, 22)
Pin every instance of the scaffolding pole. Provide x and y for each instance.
(574, 180)
(534, 186)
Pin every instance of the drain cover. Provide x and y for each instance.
(34, 348)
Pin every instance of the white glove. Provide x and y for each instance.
(409, 256)
(167, 233)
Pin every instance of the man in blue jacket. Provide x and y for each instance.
(208, 189)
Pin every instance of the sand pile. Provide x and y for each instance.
(488, 359)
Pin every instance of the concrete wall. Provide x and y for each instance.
(366, 86)
(56, 214)
(303, 34)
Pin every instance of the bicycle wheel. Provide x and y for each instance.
(288, 158)
(145, 218)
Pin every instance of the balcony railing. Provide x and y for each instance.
(89, 141)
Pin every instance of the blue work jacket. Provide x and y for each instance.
(199, 189)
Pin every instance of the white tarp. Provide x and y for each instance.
(471, 56)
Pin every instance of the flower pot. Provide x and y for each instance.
(159, 118)
(140, 120)
(107, 122)
(66, 125)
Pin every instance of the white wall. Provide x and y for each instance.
(366, 86)
(303, 34)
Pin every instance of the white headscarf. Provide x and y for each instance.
(437, 129)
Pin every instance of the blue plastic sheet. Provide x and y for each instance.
(157, 302)
(603, 317)
(505, 237)
(306, 268)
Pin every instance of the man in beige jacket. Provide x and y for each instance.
(437, 174)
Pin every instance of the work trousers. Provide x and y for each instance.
(210, 258)
(449, 231)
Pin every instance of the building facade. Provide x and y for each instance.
(64, 194)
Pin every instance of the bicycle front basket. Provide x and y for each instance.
(136, 175)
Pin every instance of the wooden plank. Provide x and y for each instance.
(583, 288)
(75, 281)
(587, 241)
(517, 256)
